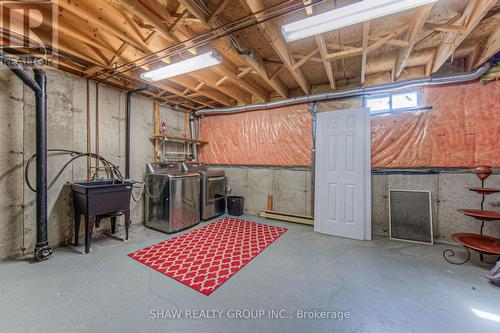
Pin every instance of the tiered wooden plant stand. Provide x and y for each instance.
(477, 242)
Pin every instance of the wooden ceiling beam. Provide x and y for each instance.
(55, 60)
(411, 36)
(119, 52)
(445, 27)
(105, 20)
(67, 45)
(199, 86)
(159, 9)
(384, 40)
(186, 19)
(84, 10)
(193, 84)
(227, 69)
(364, 55)
(338, 47)
(323, 51)
(279, 70)
(357, 51)
(430, 64)
(196, 94)
(373, 38)
(304, 59)
(472, 15)
(221, 81)
(217, 11)
(211, 79)
(254, 60)
(143, 13)
(470, 58)
(274, 37)
(105, 13)
(178, 92)
(71, 47)
(69, 30)
(156, 22)
(393, 42)
(91, 43)
(245, 72)
(173, 27)
(147, 12)
(490, 47)
(136, 75)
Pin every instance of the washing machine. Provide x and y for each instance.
(172, 198)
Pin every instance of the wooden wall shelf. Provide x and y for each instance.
(176, 138)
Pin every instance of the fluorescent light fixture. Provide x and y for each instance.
(211, 58)
(345, 16)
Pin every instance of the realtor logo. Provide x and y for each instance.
(28, 30)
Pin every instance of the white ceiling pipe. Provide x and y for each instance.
(384, 88)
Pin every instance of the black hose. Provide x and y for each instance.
(75, 155)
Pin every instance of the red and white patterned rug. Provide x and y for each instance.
(205, 258)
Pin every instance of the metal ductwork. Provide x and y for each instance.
(39, 87)
(384, 88)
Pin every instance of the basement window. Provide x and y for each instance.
(393, 102)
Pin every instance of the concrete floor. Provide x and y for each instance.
(386, 286)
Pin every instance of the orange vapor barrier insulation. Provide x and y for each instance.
(461, 130)
(277, 137)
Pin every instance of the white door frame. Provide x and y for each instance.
(367, 225)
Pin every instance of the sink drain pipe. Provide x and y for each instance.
(39, 87)
(127, 126)
(194, 135)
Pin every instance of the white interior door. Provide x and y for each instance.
(343, 174)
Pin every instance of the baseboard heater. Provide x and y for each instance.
(301, 219)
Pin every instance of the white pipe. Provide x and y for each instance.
(384, 88)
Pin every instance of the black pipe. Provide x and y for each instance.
(39, 87)
(127, 126)
(194, 147)
(42, 248)
(19, 72)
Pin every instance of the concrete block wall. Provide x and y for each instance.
(175, 123)
(67, 129)
(292, 193)
(290, 188)
(448, 193)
